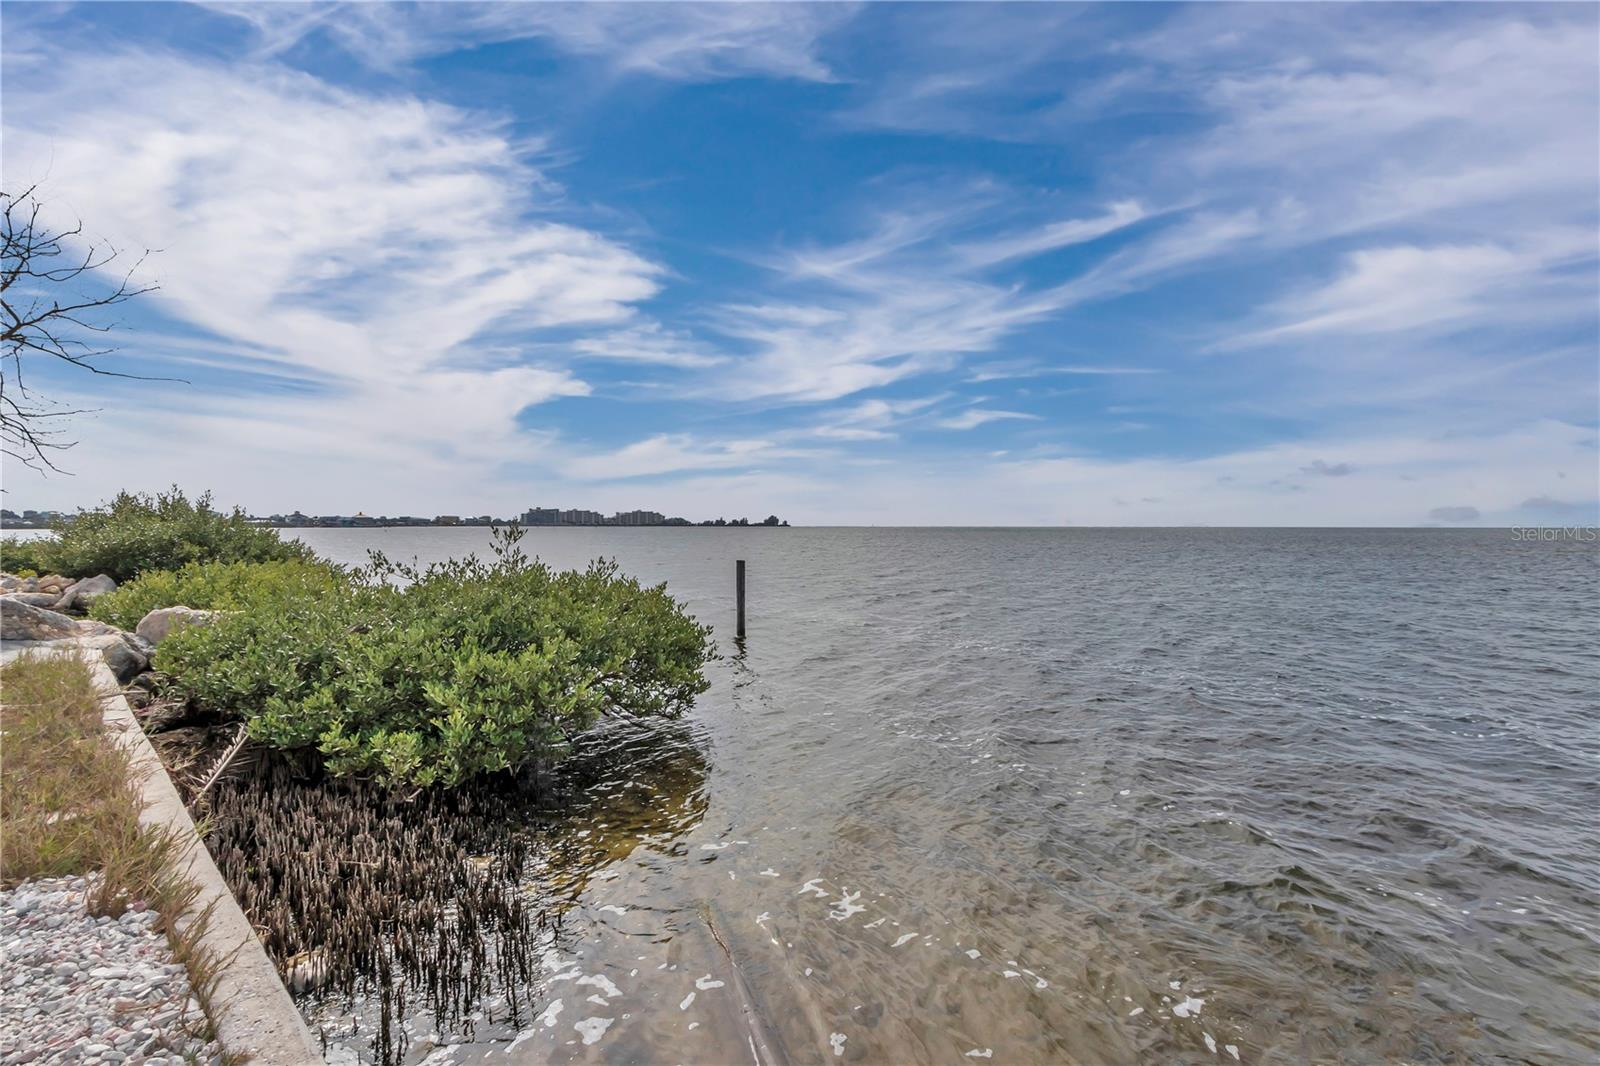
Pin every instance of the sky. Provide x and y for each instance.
(893, 264)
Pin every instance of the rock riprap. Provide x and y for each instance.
(34, 599)
(64, 595)
(37, 621)
(25, 622)
(50, 583)
(126, 654)
(92, 990)
(81, 594)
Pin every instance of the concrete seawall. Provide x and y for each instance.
(254, 1015)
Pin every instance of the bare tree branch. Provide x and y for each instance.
(52, 293)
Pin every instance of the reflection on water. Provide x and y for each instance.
(628, 787)
(1044, 796)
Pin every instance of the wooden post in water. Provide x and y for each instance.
(738, 582)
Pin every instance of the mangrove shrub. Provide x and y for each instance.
(432, 676)
(220, 586)
(25, 558)
(135, 533)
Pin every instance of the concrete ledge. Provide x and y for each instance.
(254, 1014)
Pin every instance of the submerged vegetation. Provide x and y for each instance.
(383, 909)
(413, 905)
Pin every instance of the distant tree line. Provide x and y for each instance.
(770, 520)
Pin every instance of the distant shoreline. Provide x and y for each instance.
(488, 525)
(47, 527)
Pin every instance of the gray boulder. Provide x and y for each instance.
(140, 645)
(85, 592)
(126, 663)
(23, 621)
(160, 622)
(33, 599)
(121, 653)
(10, 583)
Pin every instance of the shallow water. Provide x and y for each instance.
(1086, 796)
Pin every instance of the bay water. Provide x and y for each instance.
(1084, 796)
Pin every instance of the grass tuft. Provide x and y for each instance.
(70, 805)
(66, 796)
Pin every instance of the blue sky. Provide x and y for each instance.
(1034, 264)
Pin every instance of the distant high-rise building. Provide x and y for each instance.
(541, 516)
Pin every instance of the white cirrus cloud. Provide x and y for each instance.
(683, 42)
(873, 419)
(1407, 288)
(1310, 124)
(668, 453)
(373, 246)
(1013, 370)
(980, 416)
(647, 342)
(1055, 235)
(916, 295)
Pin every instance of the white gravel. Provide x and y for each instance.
(91, 990)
